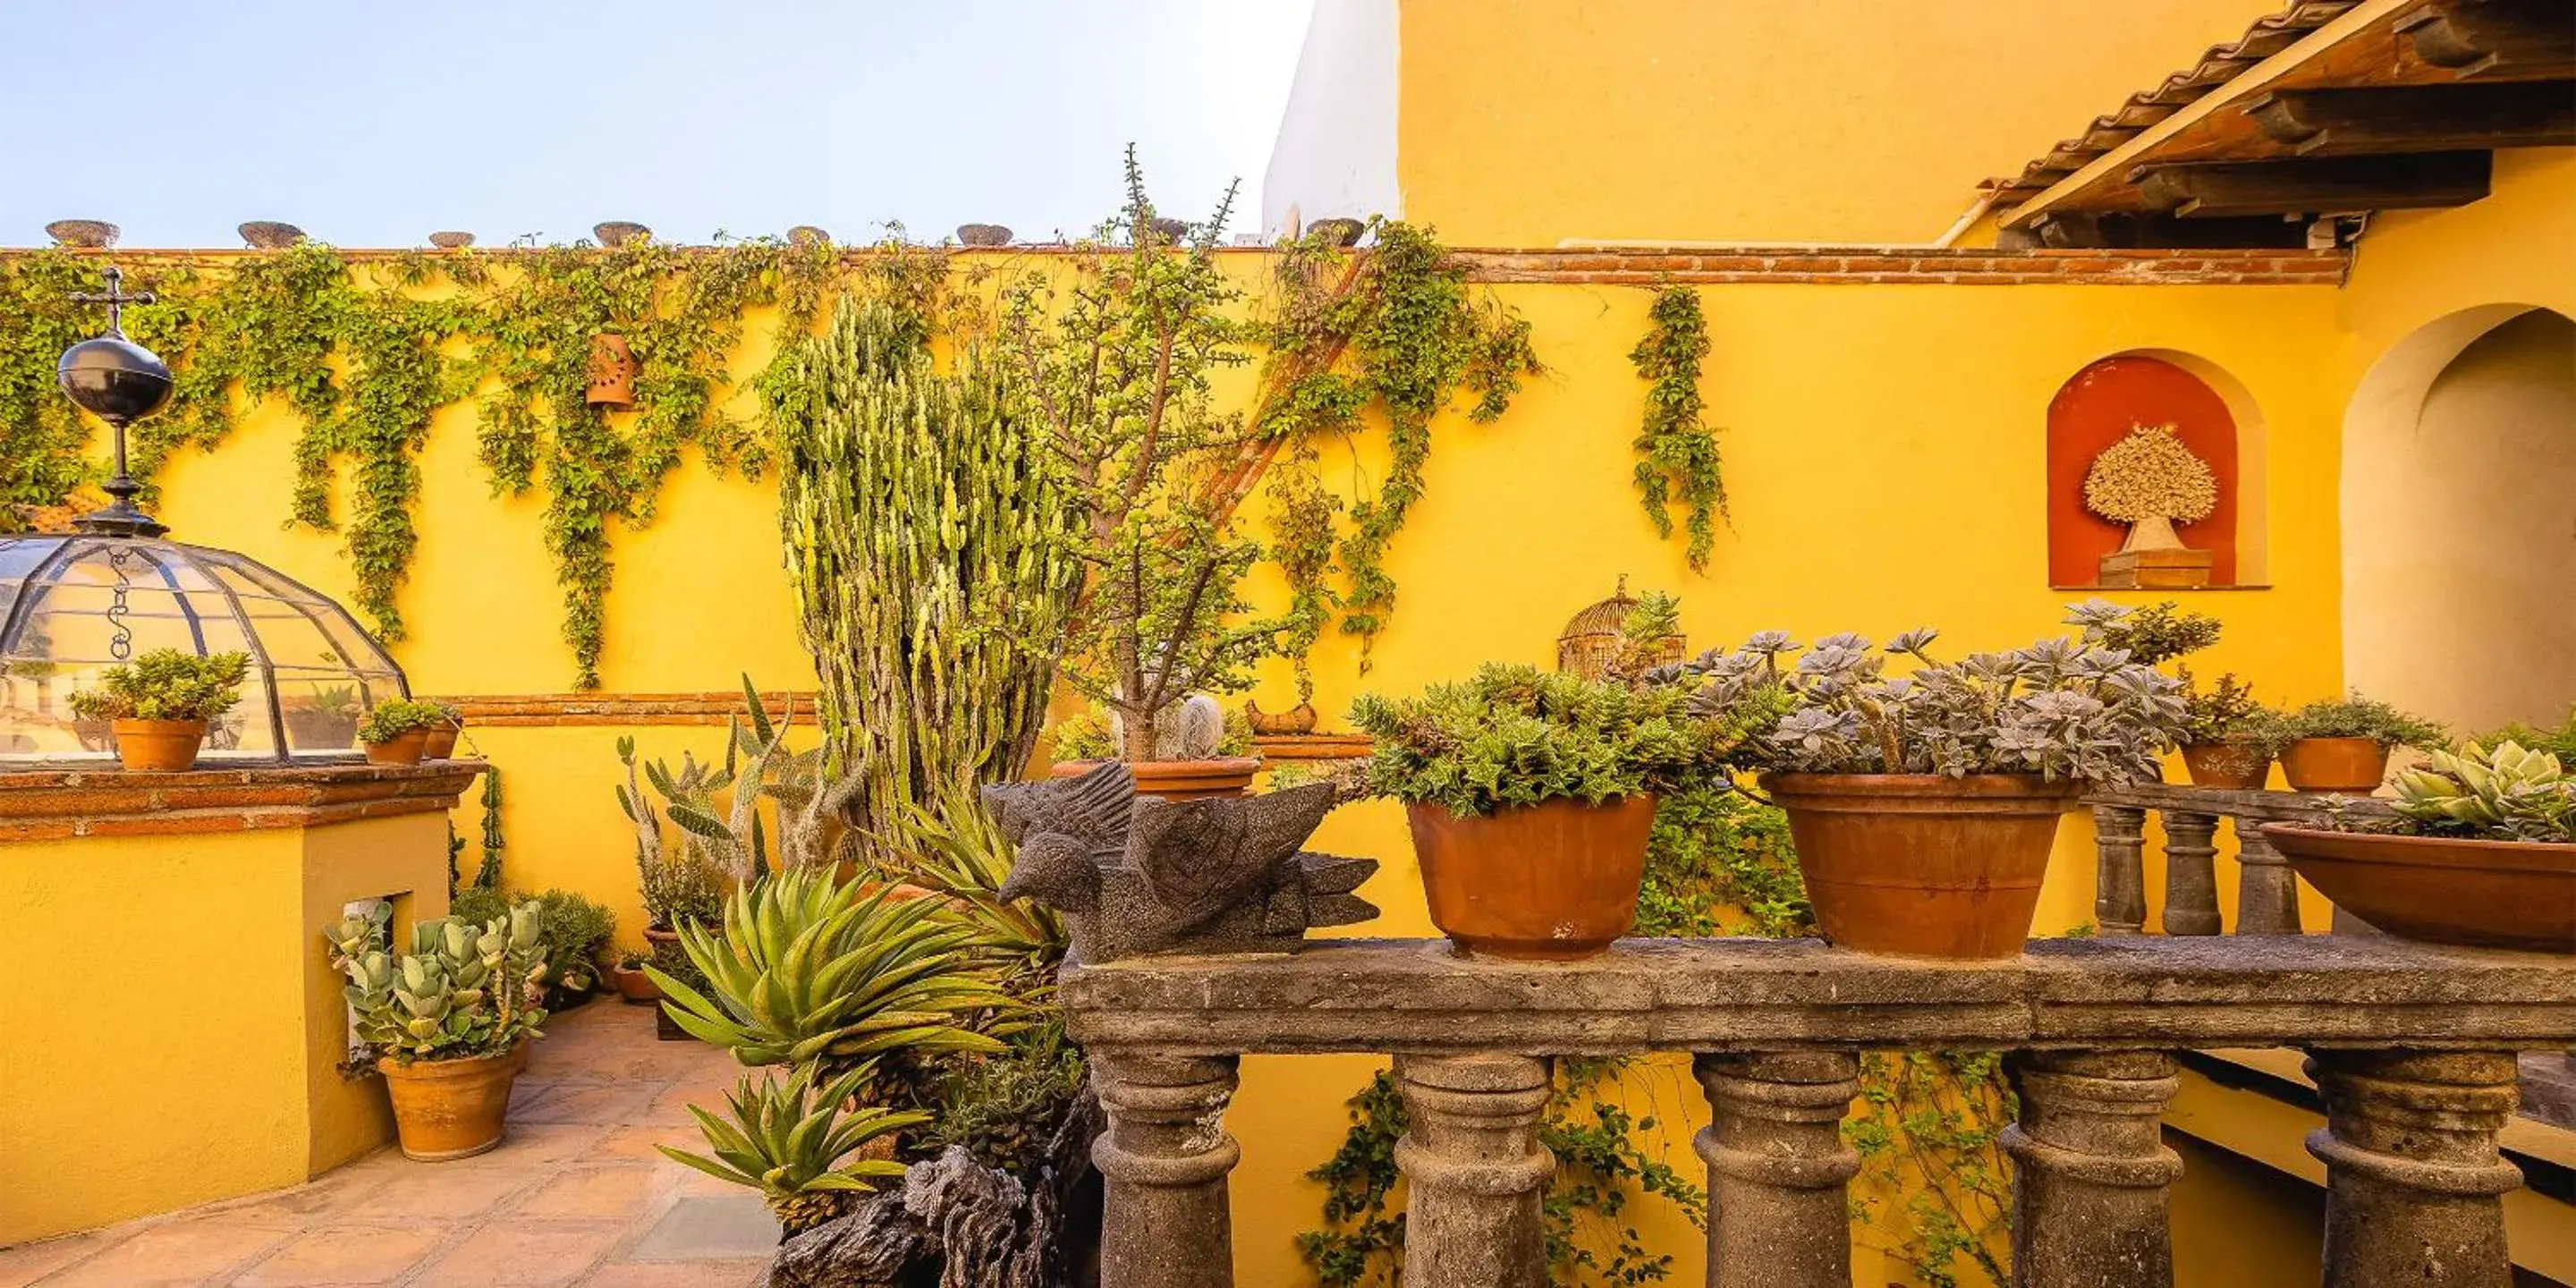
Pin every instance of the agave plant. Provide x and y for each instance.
(811, 967)
(950, 846)
(793, 1142)
(810, 790)
(2509, 792)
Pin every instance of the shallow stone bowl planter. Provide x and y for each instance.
(2442, 890)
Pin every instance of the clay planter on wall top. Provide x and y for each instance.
(2348, 765)
(404, 748)
(1179, 780)
(446, 1109)
(2228, 765)
(612, 371)
(1923, 865)
(1549, 882)
(441, 742)
(158, 746)
(2442, 890)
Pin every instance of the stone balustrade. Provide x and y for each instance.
(2267, 895)
(2412, 1046)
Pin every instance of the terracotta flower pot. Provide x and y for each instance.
(2349, 765)
(634, 985)
(441, 742)
(158, 746)
(1550, 882)
(447, 1109)
(1295, 722)
(2230, 765)
(1923, 865)
(2481, 894)
(1179, 780)
(402, 749)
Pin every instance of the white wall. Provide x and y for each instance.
(1336, 151)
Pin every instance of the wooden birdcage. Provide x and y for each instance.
(1594, 642)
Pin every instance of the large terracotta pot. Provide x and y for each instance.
(1551, 882)
(2349, 765)
(1179, 780)
(402, 749)
(2482, 894)
(1923, 865)
(634, 985)
(2230, 765)
(158, 746)
(447, 1109)
(441, 743)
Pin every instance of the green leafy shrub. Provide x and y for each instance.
(2151, 636)
(387, 721)
(1005, 1108)
(2559, 742)
(2227, 712)
(573, 931)
(1514, 735)
(793, 1141)
(1718, 861)
(2355, 716)
(466, 989)
(2503, 793)
(165, 684)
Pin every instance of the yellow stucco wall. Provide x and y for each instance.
(1522, 122)
(175, 1035)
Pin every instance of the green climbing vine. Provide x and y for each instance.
(365, 351)
(1676, 450)
(1397, 329)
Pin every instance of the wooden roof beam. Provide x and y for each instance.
(2419, 118)
(2317, 185)
(2496, 39)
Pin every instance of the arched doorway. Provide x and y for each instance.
(2459, 521)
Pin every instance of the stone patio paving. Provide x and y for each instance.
(575, 1196)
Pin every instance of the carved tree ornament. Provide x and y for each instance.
(2151, 481)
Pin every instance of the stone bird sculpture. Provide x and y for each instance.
(1141, 874)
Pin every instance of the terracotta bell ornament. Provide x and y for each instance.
(612, 371)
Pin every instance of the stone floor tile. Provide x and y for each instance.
(635, 1144)
(514, 1255)
(346, 1255)
(607, 1106)
(614, 1193)
(29, 1262)
(172, 1253)
(714, 1227)
(440, 1192)
(678, 1274)
(547, 1143)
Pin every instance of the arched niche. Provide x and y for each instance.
(2459, 520)
(2214, 417)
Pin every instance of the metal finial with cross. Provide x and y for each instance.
(115, 298)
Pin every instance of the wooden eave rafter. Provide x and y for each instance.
(2227, 112)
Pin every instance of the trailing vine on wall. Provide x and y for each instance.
(365, 352)
(1676, 450)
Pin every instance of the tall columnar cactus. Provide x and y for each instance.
(924, 540)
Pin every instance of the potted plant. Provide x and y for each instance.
(630, 980)
(2228, 738)
(159, 703)
(2342, 744)
(2481, 852)
(681, 884)
(1114, 367)
(1530, 796)
(445, 1023)
(441, 743)
(325, 719)
(1924, 805)
(397, 732)
(1204, 750)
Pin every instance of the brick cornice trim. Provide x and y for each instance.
(52, 803)
(548, 710)
(1863, 266)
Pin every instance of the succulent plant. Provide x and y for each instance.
(809, 791)
(165, 684)
(793, 1141)
(811, 967)
(2355, 716)
(2153, 635)
(463, 991)
(2507, 792)
(387, 721)
(2227, 712)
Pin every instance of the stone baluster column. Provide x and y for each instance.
(1777, 1167)
(2091, 1169)
(1163, 1162)
(2191, 878)
(2414, 1184)
(1475, 1169)
(2120, 874)
(2267, 892)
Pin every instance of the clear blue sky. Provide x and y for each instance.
(369, 123)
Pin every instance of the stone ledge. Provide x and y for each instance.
(2266, 805)
(2136, 992)
(55, 802)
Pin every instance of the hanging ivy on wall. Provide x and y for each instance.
(1395, 329)
(364, 353)
(1676, 450)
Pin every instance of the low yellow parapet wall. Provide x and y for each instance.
(174, 1032)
